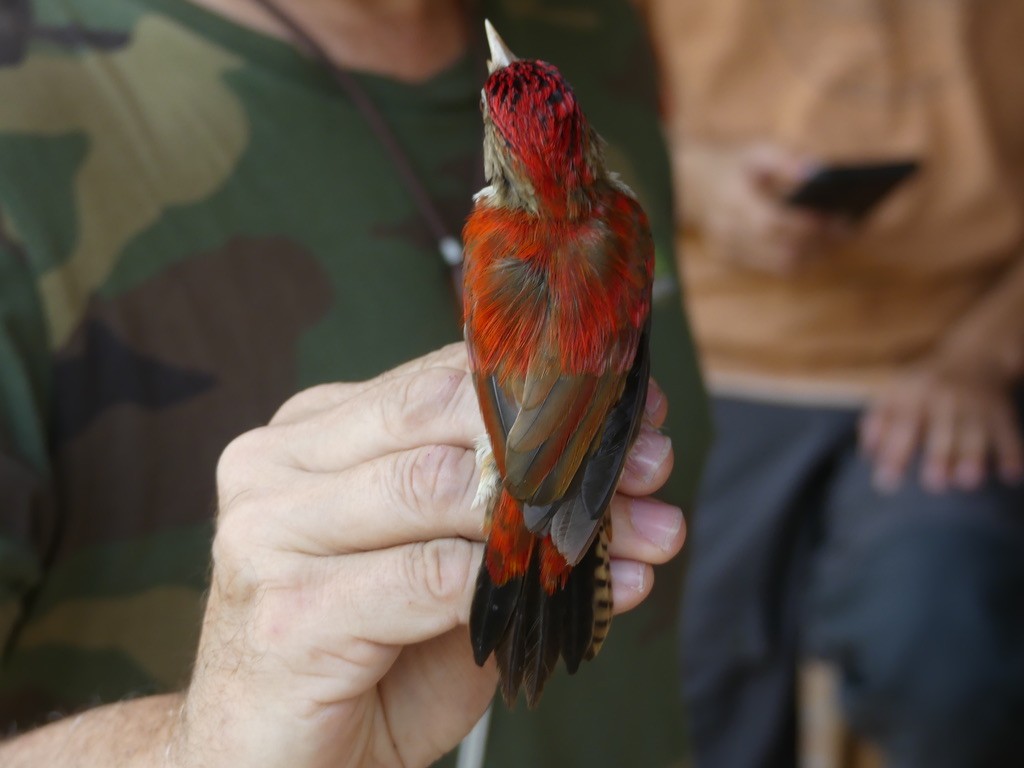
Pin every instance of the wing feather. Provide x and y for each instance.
(561, 429)
(575, 522)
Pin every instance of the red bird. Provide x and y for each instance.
(559, 266)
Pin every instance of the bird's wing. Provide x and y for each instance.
(561, 441)
(574, 520)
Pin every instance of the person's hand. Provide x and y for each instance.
(344, 561)
(959, 418)
(736, 197)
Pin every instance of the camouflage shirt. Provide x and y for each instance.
(195, 223)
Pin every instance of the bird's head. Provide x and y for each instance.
(539, 150)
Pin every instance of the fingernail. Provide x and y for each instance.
(628, 574)
(934, 479)
(969, 476)
(649, 452)
(1011, 475)
(655, 521)
(655, 397)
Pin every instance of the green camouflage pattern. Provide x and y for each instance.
(195, 224)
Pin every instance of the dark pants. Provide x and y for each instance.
(918, 598)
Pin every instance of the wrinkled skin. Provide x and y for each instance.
(345, 558)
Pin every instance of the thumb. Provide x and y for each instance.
(776, 170)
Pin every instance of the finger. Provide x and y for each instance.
(764, 243)
(941, 441)
(431, 406)
(656, 406)
(896, 448)
(393, 597)
(631, 584)
(648, 464)
(323, 397)
(777, 169)
(800, 235)
(407, 496)
(762, 255)
(1008, 446)
(410, 594)
(972, 446)
(646, 530)
(796, 228)
(871, 428)
(420, 495)
(437, 691)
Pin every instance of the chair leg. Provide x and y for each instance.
(825, 739)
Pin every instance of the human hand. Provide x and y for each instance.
(344, 561)
(959, 417)
(736, 197)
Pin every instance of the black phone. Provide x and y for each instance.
(851, 190)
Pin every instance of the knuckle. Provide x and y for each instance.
(320, 395)
(246, 562)
(254, 460)
(250, 464)
(237, 459)
(437, 477)
(945, 401)
(234, 573)
(421, 398)
(237, 524)
(441, 569)
(1002, 414)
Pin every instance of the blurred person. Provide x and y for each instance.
(863, 500)
(196, 222)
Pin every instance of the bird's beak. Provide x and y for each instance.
(501, 56)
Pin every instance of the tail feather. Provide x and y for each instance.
(491, 612)
(529, 621)
(578, 613)
(500, 580)
(510, 654)
(602, 590)
(528, 652)
(543, 639)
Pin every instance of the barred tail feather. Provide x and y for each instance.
(587, 615)
(603, 606)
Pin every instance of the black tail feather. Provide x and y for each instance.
(543, 640)
(527, 629)
(578, 612)
(509, 655)
(492, 608)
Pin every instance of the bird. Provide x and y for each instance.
(559, 263)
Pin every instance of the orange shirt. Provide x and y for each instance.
(941, 81)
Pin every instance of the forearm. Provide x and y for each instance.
(130, 733)
(991, 333)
